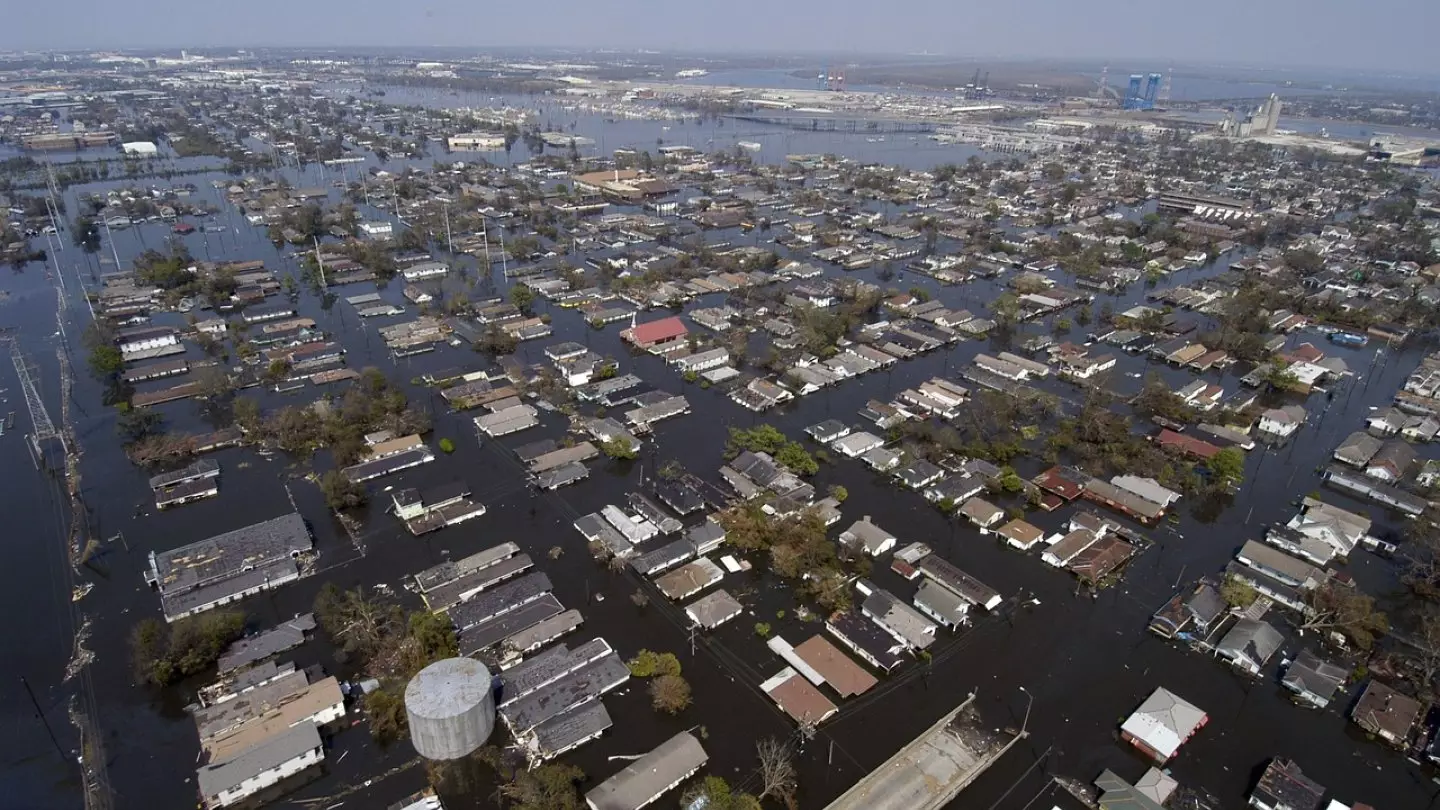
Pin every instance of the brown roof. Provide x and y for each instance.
(1306, 352)
(846, 676)
(393, 446)
(1199, 448)
(1382, 710)
(803, 702)
(615, 175)
(1102, 557)
(303, 706)
(1021, 532)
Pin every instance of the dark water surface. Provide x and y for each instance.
(1087, 661)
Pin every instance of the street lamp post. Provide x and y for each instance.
(1025, 723)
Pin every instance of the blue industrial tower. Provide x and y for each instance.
(1137, 98)
(1152, 90)
(1132, 92)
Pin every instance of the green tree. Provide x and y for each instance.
(134, 424)
(1237, 592)
(106, 362)
(649, 664)
(431, 638)
(447, 445)
(762, 629)
(341, 492)
(162, 654)
(1010, 481)
(797, 459)
(714, 793)
(386, 712)
(619, 448)
(1227, 467)
(839, 493)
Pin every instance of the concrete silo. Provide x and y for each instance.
(451, 708)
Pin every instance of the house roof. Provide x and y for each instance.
(658, 331)
(1309, 674)
(980, 510)
(640, 782)
(844, 675)
(1278, 562)
(1251, 639)
(1285, 786)
(714, 609)
(1117, 794)
(1021, 532)
(1164, 721)
(797, 698)
(1358, 448)
(215, 779)
(1384, 710)
(867, 534)
(1189, 444)
(1397, 454)
(1147, 488)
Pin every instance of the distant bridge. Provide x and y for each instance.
(859, 125)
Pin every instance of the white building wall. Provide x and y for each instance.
(268, 778)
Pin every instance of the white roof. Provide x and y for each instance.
(1163, 722)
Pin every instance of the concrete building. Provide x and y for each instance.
(225, 783)
(239, 725)
(229, 567)
(476, 142)
(451, 708)
(376, 230)
(1162, 724)
(648, 778)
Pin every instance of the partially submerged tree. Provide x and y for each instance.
(778, 778)
(648, 664)
(1346, 611)
(162, 653)
(714, 793)
(670, 694)
(551, 786)
(341, 492)
(1237, 592)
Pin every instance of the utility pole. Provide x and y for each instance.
(52, 209)
(109, 237)
(504, 256)
(1025, 723)
(41, 713)
(449, 242)
(319, 261)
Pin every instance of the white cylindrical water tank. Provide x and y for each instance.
(451, 708)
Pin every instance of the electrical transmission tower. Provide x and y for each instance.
(39, 417)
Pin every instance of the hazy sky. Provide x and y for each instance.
(1375, 34)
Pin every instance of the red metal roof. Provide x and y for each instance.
(1188, 444)
(1055, 480)
(648, 334)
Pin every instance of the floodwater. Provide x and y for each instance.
(1085, 661)
(1183, 88)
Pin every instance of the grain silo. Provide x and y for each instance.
(451, 708)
